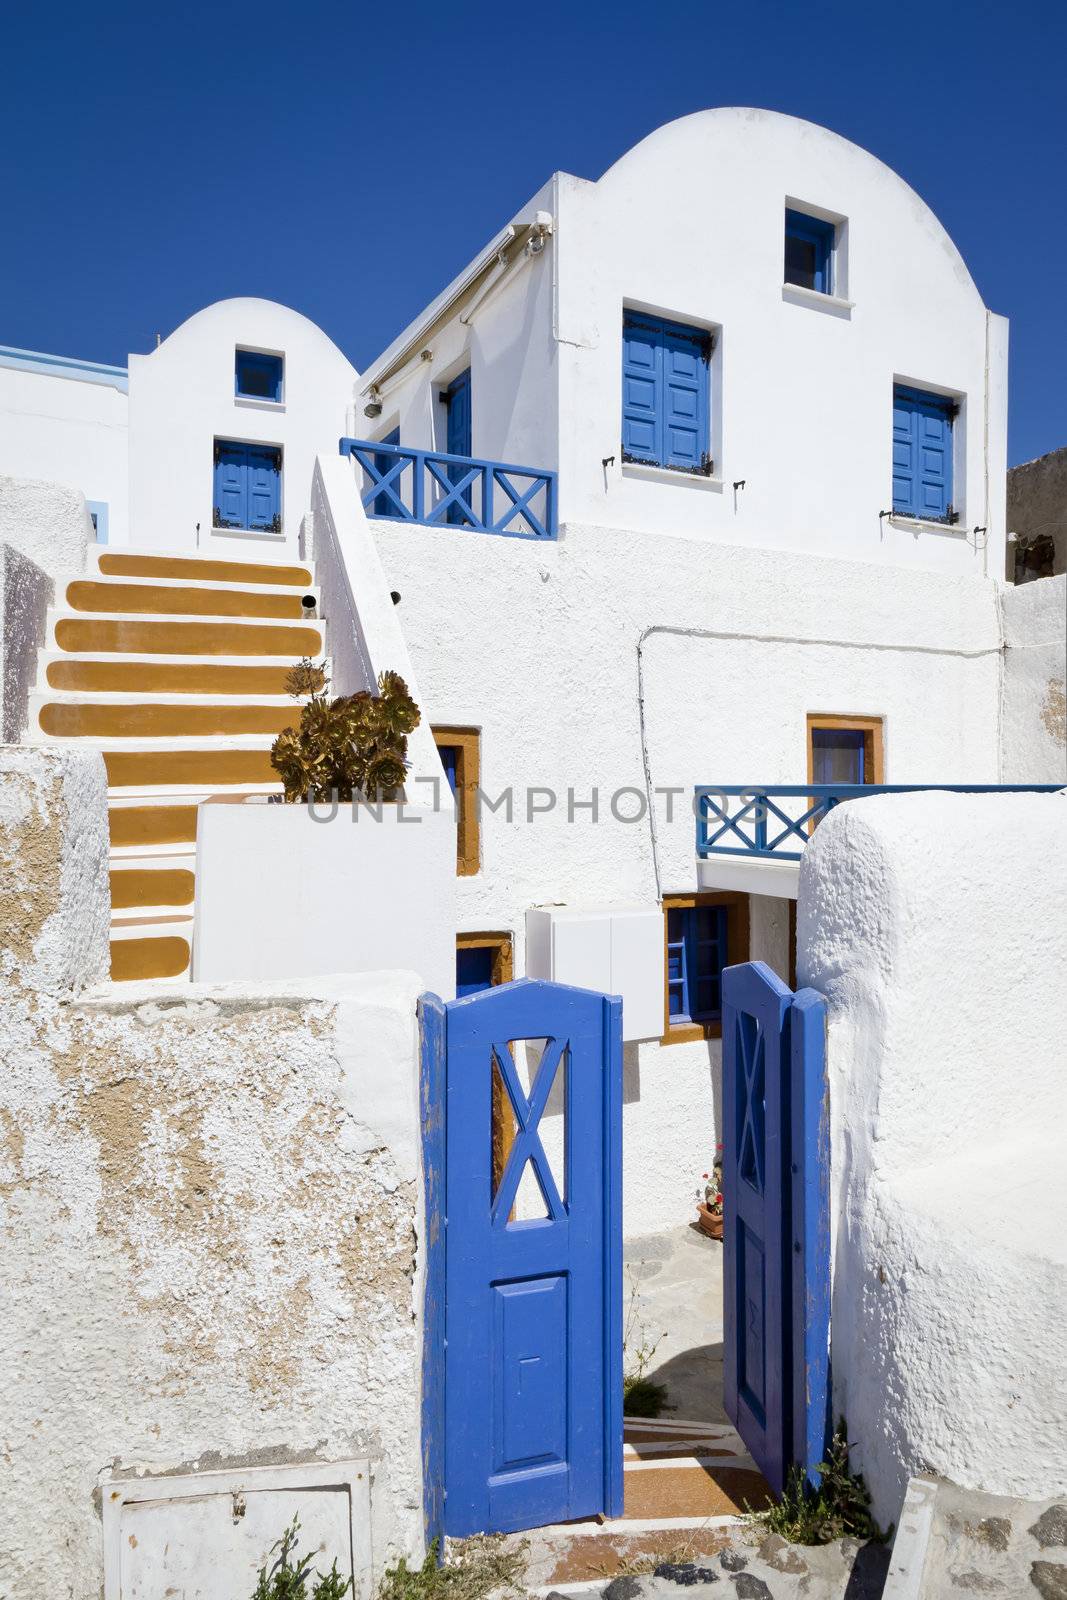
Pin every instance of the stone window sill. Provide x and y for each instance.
(832, 304)
(689, 480)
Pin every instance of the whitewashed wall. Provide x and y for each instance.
(1033, 735)
(934, 925)
(68, 424)
(209, 1204)
(182, 398)
(537, 645)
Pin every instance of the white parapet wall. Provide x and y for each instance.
(209, 1204)
(935, 926)
(1033, 725)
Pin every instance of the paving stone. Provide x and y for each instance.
(1051, 1527)
(993, 1531)
(732, 1561)
(972, 1582)
(686, 1573)
(1049, 1578)
(621, 1589)
(749, 1587)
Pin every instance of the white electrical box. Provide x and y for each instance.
(618, 950)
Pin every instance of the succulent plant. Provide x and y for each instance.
(353, 745)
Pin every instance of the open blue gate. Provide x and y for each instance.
(522, 1418)
(776, 1236)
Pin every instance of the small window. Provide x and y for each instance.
(248, 487)
(97, 510)
(460, 752)
(702, 935)
(922, 454)
(809, 252)
(666, 394)
(845, 750)
(483, 960)
(258, 377)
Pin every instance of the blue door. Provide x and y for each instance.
(531, 1414)
(458, 401)
(776, 1233)
(384, 505)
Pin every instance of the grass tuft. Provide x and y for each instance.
(472, 1569)
(839, 1507)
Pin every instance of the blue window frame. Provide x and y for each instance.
(922, 454)
(383, 505)
(474, 969)
(97, 510)
(809, 252)
(666, 404)
(696, 955)
(258, 377)
(450, 758)
(839, 755)
(248, 486)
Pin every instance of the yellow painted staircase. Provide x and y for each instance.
(173, 667)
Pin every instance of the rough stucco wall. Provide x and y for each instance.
(538, 646)
(46, 521)
(1033, 734)
(207, 1199)
(933, 924)
(1037, 502)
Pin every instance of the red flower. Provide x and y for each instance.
(718, 1199)
(703, 1174)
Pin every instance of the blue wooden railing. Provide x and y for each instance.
(764, 824)
(429, 486)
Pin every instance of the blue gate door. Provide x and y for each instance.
(532, 1414)
(776, 1235)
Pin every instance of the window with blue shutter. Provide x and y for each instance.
(248, 487)
(474, 970)
(839, 755)
(696, 955)
(258, 377)
(922, 454)
(665, 393)
(457, 398)
(809, 252)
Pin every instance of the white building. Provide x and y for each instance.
(728, 510)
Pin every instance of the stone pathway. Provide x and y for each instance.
(956, 1543)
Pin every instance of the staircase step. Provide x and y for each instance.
(202, 636)
(188, 767)
(138, 564)
(130, 675)
(148, 825)
(159, 947)
(140, 887)
(156, 599)
(86, 719)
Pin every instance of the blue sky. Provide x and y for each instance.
(348, 159)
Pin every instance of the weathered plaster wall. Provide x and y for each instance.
(934, 925)
(1037, 505)
(208, 1207)
(1033, 738)
(538, 646)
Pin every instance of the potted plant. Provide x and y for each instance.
(352, 745)
(709, 1209)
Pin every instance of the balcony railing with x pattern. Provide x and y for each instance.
(428, 486)
(774, 822)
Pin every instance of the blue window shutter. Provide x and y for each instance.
(264, 488)
(922, 454)
(383, 505)
(696, 955)
(257, 376)
(449, 754)
(642, 385)
(809, 251)
(231, 485)
(665, 393)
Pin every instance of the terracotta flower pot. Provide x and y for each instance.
(708, 1222)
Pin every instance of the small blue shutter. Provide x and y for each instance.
(258, 377)
(809, 251)
(696, 955)
(383, 506)
(665, 393)
(264, 489)
(922, 454)
(642, 368)
(231, 485)
(458, 400)
(449, 754)
(837, 755)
